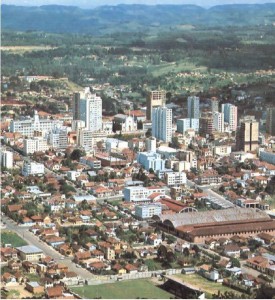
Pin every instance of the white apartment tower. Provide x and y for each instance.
(218, 119)
(7, 159)
(88, 108)
(162, 124)
(230, 115)
(193, 107)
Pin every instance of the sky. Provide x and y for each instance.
(95, 3)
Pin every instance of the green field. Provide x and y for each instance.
(9, 237)
(123, 290)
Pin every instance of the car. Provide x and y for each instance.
(78, 266)
(62, 257)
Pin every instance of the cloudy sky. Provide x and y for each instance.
(94, 3)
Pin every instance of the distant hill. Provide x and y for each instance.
(108, 19)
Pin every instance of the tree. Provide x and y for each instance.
(162, 251)
(186, 251)
(235, 262)
(76, 154)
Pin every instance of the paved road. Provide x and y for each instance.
(32, 239)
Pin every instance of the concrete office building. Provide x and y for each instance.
(270, 121)
(7, 159)
(162, 124)
(32, 168)
(154, 99)
(230, 112)
(193, 107)
(35, 144)
(151, 160)
(147, 211)
(206, 126)
(248, 135)
(58, 138)
(214, 105)
(185, 124)
(218, 120)
(28, 127)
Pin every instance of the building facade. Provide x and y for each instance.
(35, 144)
(186, 123)
(151, 160)
(154, 99)
(162, 124)
(175, 178)
(193, 107)
(230, 112)
(270, 121)
(218, 119)
(58, 138)
(147, 211)
(29, 126)
(7, 159)
(88, 108)
(32, 168)
(248, 136)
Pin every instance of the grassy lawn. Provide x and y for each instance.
(10, 237)
(208, 286)
(33, 277)
(130, 289)
(153, 265)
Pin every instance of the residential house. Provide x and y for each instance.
(29, 267)
(34, 287)
(131, 269)
(119, 269)
(80, 257)
(54, 292)
(232, 250)
(9, 279)
(154, 240)
(262, 264)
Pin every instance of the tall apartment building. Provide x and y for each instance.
(193, 107)
(218, 119)
(76, 105)
(154, 99)
(88, 108)
(248, 135)
(270, 121)
(214, 104)
(28, 127)
(162, 124)
(230, 112)
(7, 159)
(206, 125)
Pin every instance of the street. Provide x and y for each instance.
(31, 239)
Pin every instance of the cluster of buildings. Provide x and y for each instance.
(201, 178)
